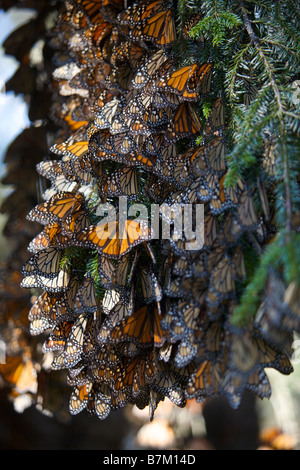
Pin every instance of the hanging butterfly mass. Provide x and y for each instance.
(140, 319)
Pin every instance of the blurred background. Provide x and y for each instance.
(213, 425)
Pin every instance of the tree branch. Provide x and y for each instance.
(256, 42)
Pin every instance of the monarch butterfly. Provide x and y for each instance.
(154, 145)
(38, 324)
(143, 328)
(109, 356)
(165, 352)
(173, 288)
(106, 76)
(223, 276)
(190, 314)
(78, 375)
(43, 270)
(233, 385)
(191, 22)
(175, 327)
(231, 230)
(78, 329)
(79, 398)
(163, 67)
(216, 119)
(151, 288)
(60, 184)
(198, 160)
(50, 169)
(194, 289)
(222, 198)
(75, 18)
(66, 209)
(149, 68)
(246, 212)
(186, 351)
(213, 339)
(184, 123)
(20, 373)
(108, 112)
(122, 308)
(92, 6)
(181, 170)
(75, 124)
(58, 338)
(124, 144)
(80, 170)
(130, 374)
(103, 372)
(274, 322)
(239, 263)
(197, 191)
(70, 148)
(90, 11)
(210, 229)
(123, 75)
(86, 300)
(185, 81)
(114, 274)
(129, 52)
(159, 28)
(157, 190)
(107, 239)
(248, 350)
(104, 97)
(97, 32)
(63, 309)
(101, 407)
(123, 182)
(205, 381)
(42, 306)
(50, 237)
(149, 121)
(135, 374)
(75, 341)
(165, 381)
(259, 383)
(183, 266)
(45, 262)
(119, 125)
(150, 21)
(216, 154)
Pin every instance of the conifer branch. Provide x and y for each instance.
(281, 111)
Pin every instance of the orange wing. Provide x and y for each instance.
(142, 327)
(67, 209)
(106, 239)
(185, 123)
(185, 81)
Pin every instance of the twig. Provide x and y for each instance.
(256, 42)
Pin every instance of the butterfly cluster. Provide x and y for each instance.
(134, 319)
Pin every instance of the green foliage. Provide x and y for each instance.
(255, 49)
(217, 25)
